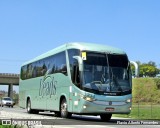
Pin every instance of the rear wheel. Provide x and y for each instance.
(105, 117)
(64, 109)
(29, 110)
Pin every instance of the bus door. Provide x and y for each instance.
(75, 92)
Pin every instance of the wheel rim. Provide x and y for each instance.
(29, 106)
(63, 108)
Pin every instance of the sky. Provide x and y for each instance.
(32, 27)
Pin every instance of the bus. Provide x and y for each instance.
(77, 78)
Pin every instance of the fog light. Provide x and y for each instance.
(130, 108)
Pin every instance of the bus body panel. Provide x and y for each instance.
(100, 104)
(46, 94)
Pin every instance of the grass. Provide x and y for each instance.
(10, 126)
(2, 126)
(146, 99)
(143, 112)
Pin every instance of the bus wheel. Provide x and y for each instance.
(64, 111)
(105, 117)
(29, 110)
(35, 111)
(57, 114)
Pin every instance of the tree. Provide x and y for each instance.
(148, 69)
(152, 63)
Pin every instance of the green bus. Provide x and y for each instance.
(77, 78)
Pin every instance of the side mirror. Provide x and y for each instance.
(136, 68)
(79, 61)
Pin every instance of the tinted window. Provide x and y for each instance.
(95, 59)
(49, 65)
(60, 63)
(24, 72)
(118, 60)
(8, 99)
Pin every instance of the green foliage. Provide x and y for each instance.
(142, 90)
(145, 90)
(142, 112)
(133, 69)
(146, 99)
(146, 69)
(15, 95)
(157, 82)
(10, 126)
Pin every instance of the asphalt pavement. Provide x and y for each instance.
(19, 116)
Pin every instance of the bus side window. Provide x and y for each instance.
(24, 72)
(29, 71)
(64, 69)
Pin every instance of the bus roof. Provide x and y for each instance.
(82, 47)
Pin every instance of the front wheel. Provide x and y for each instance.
(57, 114)
(64, 109)
(105, 117)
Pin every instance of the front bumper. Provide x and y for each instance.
(102, 107)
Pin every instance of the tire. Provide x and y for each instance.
(35, 111)
(105, 117)
(64, 109)
(29, 110)
(57, 114)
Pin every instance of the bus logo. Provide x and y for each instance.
(110, 102)
(47, 86)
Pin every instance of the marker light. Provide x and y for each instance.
(129, 101)
(84, 106)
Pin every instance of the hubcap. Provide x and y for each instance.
(29, 106)
(63, 108)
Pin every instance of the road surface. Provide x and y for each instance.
(19, 115)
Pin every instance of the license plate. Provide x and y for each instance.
(109, 109)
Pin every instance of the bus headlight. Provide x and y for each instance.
(128, 100)
(87, 98)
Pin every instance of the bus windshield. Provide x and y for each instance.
(106, 74)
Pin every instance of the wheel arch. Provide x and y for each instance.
(61, 98)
